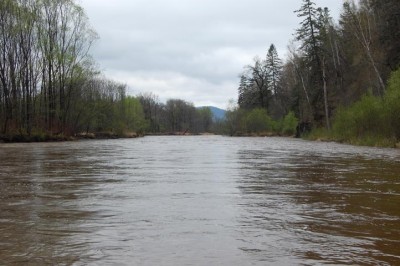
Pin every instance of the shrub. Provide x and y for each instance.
(289, 124)
(392, 105)
(363, 118)
(372, 120)
(257, 120)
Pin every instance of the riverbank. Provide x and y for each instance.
(18, 138)
(321, 134)
(42, 137)
(260, 134)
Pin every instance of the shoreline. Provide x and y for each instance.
(132, 135)
(61, 138)
(38, 138)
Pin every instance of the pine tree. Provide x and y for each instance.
(274, 69)
(243, 100)
(310, 34)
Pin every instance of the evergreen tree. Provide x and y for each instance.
(310, 34)
(274, 69)
(274, 65)
(244, 90)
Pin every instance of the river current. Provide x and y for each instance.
(199, 200)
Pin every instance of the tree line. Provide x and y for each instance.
(334, 76)
(330, 67)
(175, 116)
(50, 86)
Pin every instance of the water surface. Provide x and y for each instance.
(199, 201)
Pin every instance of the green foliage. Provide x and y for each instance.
(133, 115)
(328, 72)
(257, 120)
(289, 124)
(372, 120)
(392, 104)
(360, 119)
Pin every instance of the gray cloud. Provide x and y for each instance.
(189, 49)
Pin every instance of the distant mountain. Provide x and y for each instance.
(218, 114)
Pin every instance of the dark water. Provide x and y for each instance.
(199, 201)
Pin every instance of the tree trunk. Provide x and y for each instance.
(328, 124)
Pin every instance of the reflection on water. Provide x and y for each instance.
(199, 201)
(339, 207)
(43, 188)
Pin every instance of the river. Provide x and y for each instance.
(204, 200)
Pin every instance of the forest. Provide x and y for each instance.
(51, 88)
(340, 81)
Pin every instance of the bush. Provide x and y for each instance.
(372, 120)
(392, 105)
(362, 119)
(289, 124)
(257, 120)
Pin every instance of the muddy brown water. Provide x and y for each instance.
(207, 200)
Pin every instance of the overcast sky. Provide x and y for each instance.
(189, 49)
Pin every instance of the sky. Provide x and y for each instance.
(194, 50)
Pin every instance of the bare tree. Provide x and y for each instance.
(362, 28)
